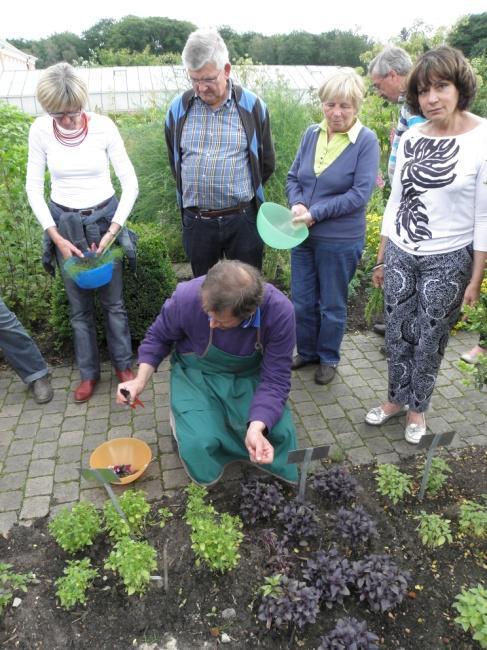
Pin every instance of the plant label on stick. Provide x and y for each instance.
(432, 440)
(104, 477)
(303, 457)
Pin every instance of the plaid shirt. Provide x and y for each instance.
(215, 162)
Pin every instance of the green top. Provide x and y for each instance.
(327, 152)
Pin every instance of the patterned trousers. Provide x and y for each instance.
(423, 296)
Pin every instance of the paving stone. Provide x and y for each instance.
(10, 500)
(306, 408)
(170, 461)
(348, 440)
(51, 420)
(70, 438)
(12, 481)
(48, 435)
(321, 437)
(38, 486)
(8, 424)
(165, 444)
(44, 450)
(35, 507)
(147, 435)
(92, 442)
(64, 492)
(97, 496)
(390, 457)
(67, 472)
(11, 411)
(7, 520)
(21, 447)
(97, 426)
(174, 478)
(332, 411)
(349, 402)
(153, 489)
(379, 445)
(480, 439)
(68, 454)
(16, 463)
(41, 467)
(119, 432)
(56, 406)
(360, 455)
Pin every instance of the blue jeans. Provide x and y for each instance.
(18, 347)
(320, 273)
(82, 306)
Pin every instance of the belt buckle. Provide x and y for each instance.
(86, 213)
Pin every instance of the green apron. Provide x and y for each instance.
(210, 402)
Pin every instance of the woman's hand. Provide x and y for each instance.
(298, 209)
(378, 277)
(472, 294)
(260, 449)
(305, 218)
(134, 387)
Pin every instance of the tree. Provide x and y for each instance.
(470, 35)
(96, 37)
(160, 34)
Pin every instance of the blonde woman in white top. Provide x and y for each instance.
(434, 233)
(77, 148)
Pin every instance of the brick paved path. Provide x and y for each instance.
(42, 448)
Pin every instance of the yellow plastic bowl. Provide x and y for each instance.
(275, 226)
(122, 451)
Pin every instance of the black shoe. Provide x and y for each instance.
(41, 390)
(383, 350)
(379, 328)
(324, 374)
(299, 362)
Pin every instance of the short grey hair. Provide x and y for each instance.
(233, 285)
(205, 46)
(344, 83)
(391, 58)
(60, 89)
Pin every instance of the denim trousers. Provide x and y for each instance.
(234, 236)
(18, 347)
(82, 307)
(320, 273)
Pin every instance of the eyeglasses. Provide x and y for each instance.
(207, 81)
(72, 115)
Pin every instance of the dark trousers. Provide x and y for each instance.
(422, 301)
(209, 239)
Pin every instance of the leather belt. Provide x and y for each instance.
(219, 213)
(85, 212)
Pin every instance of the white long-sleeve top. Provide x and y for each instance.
(438, 201)
(80, 176)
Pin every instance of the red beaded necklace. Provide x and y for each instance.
(73, 138)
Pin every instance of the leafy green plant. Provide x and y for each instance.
(471, 605)
(71, 588)
(76, 528)
(272, 586)
(135, 507)
(433, 529)
(374, 305)
(134, 562)
(11, 582)
(438, 475)
(165, 514)
(473, 519)
(392, 483)
(215, 538)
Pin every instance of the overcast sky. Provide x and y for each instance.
(379, 19)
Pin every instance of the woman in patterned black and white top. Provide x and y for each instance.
(434, 233)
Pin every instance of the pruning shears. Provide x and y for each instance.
(136, 402)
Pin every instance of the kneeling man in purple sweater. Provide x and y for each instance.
(231, 338)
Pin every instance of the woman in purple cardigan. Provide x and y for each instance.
(328, 187)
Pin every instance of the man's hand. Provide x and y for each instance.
(133, 386)
(260, 449)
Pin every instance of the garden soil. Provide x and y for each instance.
(191, 610)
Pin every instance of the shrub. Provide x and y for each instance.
(10, 582)
(472, 608)
(330, 574)
(380, 582)
(134, 562)
(144, 292)
(135, 507)
(299, 520)
(289, 602)
(392, 483)
(473, 519)
(260, 500)
(335, 483)
(355, 525)
(71, 588)
(276, 551)
(349, 633)
(75, 529)
(433, 529)
(438, 475)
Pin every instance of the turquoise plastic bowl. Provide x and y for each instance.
(274, 224)
(92, 278)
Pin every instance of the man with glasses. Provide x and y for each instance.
(388, 72)
(221, 153)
